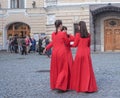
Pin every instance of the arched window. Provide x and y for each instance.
(17, 3)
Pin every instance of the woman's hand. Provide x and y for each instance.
(44, 51)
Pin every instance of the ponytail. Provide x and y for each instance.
(56, 31)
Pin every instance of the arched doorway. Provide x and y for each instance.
(112, 35)
(105, 29)
(18, 29)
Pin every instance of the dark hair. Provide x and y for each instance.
(57, 24)
(83, 29)
(64, 28)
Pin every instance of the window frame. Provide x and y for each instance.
(17, 4)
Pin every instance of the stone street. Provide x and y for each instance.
(27, 76)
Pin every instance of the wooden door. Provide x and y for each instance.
(112, 35)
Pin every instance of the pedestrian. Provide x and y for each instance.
(59, 69)
(40, 45)
(24, 49)
(12, 45)
(48, 52)
(27, 41)
(15, 44)
(83, 79)
(19, 44)
(43, 43)
(33, 46)
(9, 41)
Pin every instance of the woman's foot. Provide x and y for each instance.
(61, 91)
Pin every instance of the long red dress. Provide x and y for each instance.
(83, 79)
(59, 69)
(69, 58)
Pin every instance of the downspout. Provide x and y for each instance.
(94, 32)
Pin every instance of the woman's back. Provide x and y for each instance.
(84, 42)
(59, 40)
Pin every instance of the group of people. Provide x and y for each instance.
(21, 45)
(67, 73)
(43, 42)
(27, 44)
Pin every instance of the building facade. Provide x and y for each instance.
(33, 17)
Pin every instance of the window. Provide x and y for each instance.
(51, 2)
(17, 3)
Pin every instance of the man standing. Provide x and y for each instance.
(39, 45)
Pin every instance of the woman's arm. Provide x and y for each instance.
(71, 37)
(50, 45)
(76, 40)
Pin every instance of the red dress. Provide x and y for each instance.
(83, 79)
(59, 69)
(69, 58)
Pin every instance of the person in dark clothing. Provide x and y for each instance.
(30, 39)
(33, 46)
(48, 52)
(15, 44)
(24, 47)
(40, 46)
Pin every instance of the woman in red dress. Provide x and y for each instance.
(59, 69)
(83, 79)
(69, 52)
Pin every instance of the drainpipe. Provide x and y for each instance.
(3, 42)
(94, 33)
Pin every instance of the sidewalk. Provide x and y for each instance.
(27, 76)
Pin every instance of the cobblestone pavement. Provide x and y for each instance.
(27, 76)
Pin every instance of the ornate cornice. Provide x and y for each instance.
(108, 8)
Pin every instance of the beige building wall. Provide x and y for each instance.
(28, 3)
(70, 12)
(39, 3)
(35, 18)
(111, 1)
(1, 33)
(69, 16)
(85, 1)
(4, 3)
(76, 1)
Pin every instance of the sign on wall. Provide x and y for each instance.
(50, 19)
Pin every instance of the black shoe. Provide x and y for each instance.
(60, 91)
